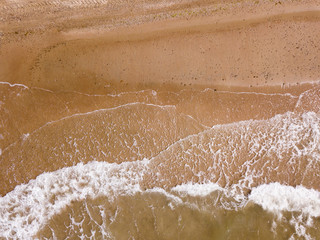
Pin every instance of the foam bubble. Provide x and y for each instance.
(197, 189)
(277, 198)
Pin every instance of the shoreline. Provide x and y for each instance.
(117, 112)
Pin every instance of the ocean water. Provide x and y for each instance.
(188, 164)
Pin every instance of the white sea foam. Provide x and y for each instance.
(277, 198)
(24, 210)
(15, 85)
(28, 207)
(197, 189)
(77, 115)
(254, 93)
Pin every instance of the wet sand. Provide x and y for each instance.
(77, 68)
(109, 105)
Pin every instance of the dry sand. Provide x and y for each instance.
(100, 46)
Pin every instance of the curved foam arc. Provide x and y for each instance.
(24, 210)
(48, 124)
(126, 133)
(303, 204)
(284, 148)
(211, 107)
(33, 204)
(273, 197)
(16, 99)
(309, 100)
(65, 107)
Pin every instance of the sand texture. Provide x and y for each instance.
(143, 119)
(102, 46)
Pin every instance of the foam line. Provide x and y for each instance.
(86, 113)
(255, 93)
(15, 85)
(197, 189)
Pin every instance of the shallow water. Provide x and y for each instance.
(189, 164)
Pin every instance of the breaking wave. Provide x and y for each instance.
(224, 168)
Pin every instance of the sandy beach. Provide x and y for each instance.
(188, 44)
(162, 119)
